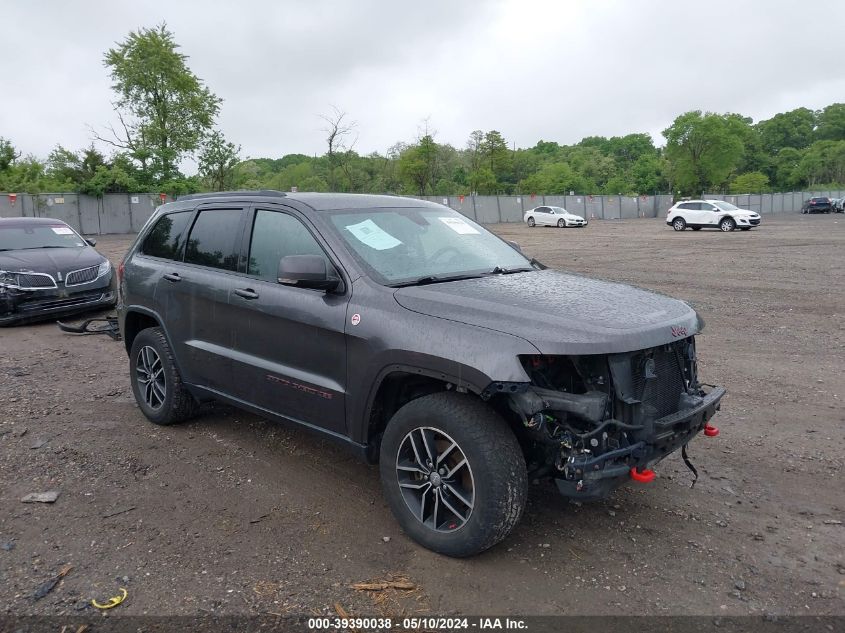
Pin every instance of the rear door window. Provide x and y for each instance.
(215, 239)
(166, 238)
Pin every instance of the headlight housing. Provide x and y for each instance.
(104, 268)
(9, 280)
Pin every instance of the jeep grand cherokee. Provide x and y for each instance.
(417, 337)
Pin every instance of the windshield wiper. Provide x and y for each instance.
(433, 279)
(498, 270)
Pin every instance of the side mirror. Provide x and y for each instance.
(306, 271)
(91, 242)
(514, 246)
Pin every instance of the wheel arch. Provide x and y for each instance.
(398, 384)
(137, 319)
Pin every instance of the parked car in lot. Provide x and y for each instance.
(712, 214)
(552, 216)
(837, 205)
(48, 270)
(419, 339)
(818, 204)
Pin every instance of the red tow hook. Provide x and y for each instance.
(643, 476)
(710, 431)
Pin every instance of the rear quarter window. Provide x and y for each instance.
(167, 236)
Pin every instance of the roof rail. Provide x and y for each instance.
(216, 194)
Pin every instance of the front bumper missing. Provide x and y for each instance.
(594, 477)
(35, 305)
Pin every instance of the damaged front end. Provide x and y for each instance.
(592, 422)
(28, 296)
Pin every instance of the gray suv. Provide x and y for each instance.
(419, 339)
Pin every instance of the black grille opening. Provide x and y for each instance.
(83, 276)
(658, 381)
(33, 280)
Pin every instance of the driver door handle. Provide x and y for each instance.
(246, 293)
(172, 277)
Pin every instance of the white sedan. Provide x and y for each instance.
(552, 216)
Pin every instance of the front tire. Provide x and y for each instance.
(679, 224)
(561, 224)
(156, 381)
(531, 222)
(453, 473)
(727, 225)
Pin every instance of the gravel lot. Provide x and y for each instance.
(230, 514)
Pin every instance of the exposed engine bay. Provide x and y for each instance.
(591, 422)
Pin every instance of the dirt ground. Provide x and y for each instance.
(230, 514)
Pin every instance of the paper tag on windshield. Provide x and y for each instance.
(61, 230)
(459, 226)
(373, 235)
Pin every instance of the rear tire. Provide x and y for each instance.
(727, 225)
(531, 222)
(679, 224)
(465, 509)
(156, 381)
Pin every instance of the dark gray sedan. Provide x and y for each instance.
(48, 270)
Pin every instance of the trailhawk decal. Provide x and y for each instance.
(679, 330)
(300, 387)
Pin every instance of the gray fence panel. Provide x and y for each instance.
(777, 203)
(555, 201)
(141, 210)
(630, 207)
(594, 207)
(486, 209)
(511, 208)
(576, 205)
(9, 210)
(89, 213)
(465, 207)
(766, 203)
(114, 214)
(59, 206)
(612, 207)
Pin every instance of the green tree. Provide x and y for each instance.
(165, 110)
(823, 163)
(750, 182)
(831, 123)
(8, 154)
(703, 150)
(787, 129)
(496, 153)
(417, 164)
(217, 160)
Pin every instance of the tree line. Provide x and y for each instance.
(167, 115)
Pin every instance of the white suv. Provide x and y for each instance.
(552, 216)
(714, 214)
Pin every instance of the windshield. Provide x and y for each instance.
(560, 210)
(410, 245)
(27, 236)
(725, 206)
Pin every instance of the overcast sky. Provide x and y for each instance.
(556, 70)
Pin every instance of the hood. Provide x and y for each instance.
(745, 213)
(575, 216)
(49, 260)
(559, 313)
